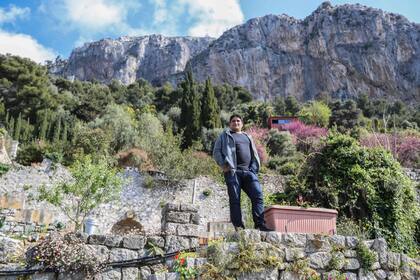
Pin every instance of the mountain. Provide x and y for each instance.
(337, 50)
(152, 57)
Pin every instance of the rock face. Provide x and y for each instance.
(127, 59)
(337, 50)
(342, 50)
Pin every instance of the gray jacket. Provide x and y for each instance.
(224, 151)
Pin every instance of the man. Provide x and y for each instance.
(235, 152)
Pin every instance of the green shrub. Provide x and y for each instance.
(4, 168)
(280, 143)
(363, 184)
(366, 257)
(208, 137)
(30, 153)
(288, 168)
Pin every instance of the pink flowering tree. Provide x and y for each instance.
(259, 135)
(404, 148)
(305, 137)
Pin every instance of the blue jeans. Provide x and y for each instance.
(247, 181)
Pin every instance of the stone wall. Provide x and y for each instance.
(299, 253)
(21, 184)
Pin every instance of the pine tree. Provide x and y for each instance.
(210, 117)
(190, 111)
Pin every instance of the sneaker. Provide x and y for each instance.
(264, 228)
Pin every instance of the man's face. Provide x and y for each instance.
(236, 124)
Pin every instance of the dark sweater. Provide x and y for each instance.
(243, 150)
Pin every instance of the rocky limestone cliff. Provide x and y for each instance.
(127, 59)
(343, 50)
(337, 50)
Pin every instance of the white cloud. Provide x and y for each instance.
(95, 14)
(213, 17)
(25, 46)
(13, 13)
(91, 17)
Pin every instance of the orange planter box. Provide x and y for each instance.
(302, 220)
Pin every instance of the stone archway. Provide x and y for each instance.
(127, 225)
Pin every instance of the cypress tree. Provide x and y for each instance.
(43, 126)
(11, 126)
(57, 131)
(26, 130)
(210, 117)
(190, 111)
(18, 127)
(64, 135)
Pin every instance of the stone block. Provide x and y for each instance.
(250, 235)
(274, 238)
(319, 260)
(178, 217)
(292, 254)
(317, 244)
(100, 251)
(130, 273)
(338, 241)
(368, 243)
(158, 276)
(109, 274)
(366, 275)
(144, 272)
(189, 208)
(394, 261)
(10, 248)
(350, 253)
(380, 274)
(188, 230)
(294, 239)
(170, 228)
(172, 276)
(113, 241)
(176, 243)
(268, 274)
(380, 246)
(96, 239)
(351, 242)
(120, 254)
(195, 218)
(394, 275)
(351, 276)
(169, 207)
(156, 240)
(289, 275)
(136, 242)
(351, 264)
(194, 242)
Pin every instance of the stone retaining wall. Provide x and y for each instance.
(328, 257)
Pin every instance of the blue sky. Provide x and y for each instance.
(43, 29)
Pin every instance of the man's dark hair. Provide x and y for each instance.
(235, 116)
